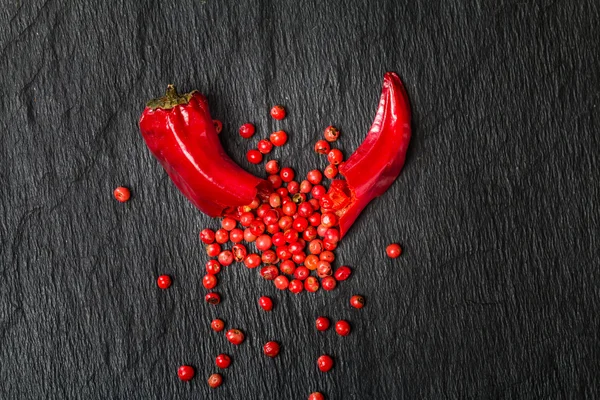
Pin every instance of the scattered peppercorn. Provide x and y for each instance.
(342, 273)
(271, 349)
(278, 138)
(264, 146)
(247, 130)
(278, 112)
(328, 283)
(335, 157)
(207, 236)
(357, 301)
(331, 133)
(342, 328)
(185, 373)
(325, 363)
(330, 171)
(122, 194)
(254, 156)
(322, 147)
(272, 167)
(281, 282)
(209, 281)
(215, 380)
(322, 323)
(311, 284)
(164, 281)
(296, 286)
(316, 396)
(212, 298)
(235, 336)
(217, 325)
(393, 250)
(223, 361)
(265, 303)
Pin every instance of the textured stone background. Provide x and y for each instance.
(497, 209)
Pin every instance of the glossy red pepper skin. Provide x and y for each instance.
(377, 162)
(179, 131)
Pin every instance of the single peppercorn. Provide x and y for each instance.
(265, 303)
(357, 301)
(235, 336)
(212, 298)
(311, 262)
(207, 236)
(278, 138)
(272, 167)
(236, 235)
(335, 157)
(215, 380)
(318, 191)
(287, 267)
(269, 273)
(217, 325)
(263, 242)
(293, 187)
(223, 361)
(122, 194)
(221, 236)
(185, 373)
(342, 328)
(331, 133)
(316, 396)
(164, 281)
(249, 236)
(322, 147)
(342, 273)
(228, 223)
(393, 250)
(327, 256)
(281, 282)
(315, 176)
(213, 267)
(323, 270)
(252, 260)
(311, 284)
(213, 249)
(330, 171)
(301, 273)
(225, 258)
(269, 257)
(264, 146)
(271, 349)
(322, 324)
(325, 363)
(254, 156)
(209, 281)
(296, 286)
(278, 112)
(287, 174)
(247, 130)
(328, 283)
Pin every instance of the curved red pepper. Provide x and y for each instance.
(377, 162)
(180, 133)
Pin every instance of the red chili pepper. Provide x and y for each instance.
(377, 162)
(180, 133)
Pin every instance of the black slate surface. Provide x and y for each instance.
(497, 208)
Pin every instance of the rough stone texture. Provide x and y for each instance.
(497, 208)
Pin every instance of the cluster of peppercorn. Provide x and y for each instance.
(293, 233)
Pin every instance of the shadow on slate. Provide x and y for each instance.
(496, 295)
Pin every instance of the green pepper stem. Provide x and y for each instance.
(170, 99)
